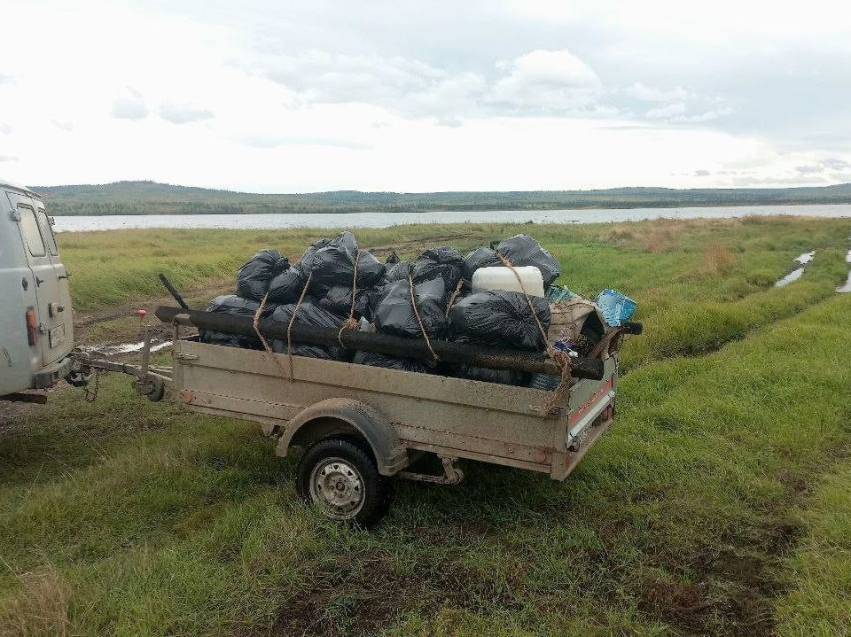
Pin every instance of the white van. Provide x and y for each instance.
(36, 329)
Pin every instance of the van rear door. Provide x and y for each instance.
(53, 335)
(59, 309)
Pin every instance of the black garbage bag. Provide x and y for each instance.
(398, 271)
(373, 298)
(235, 306)
(523, 250)
(488, 375)
(479, 258)
(334, 264)
(395, 315)
(338, 299)
(308, 314)
(287, 286)
(252, 280)
(370, 269)
(309, 351)
(444, 263)
(394, 362)
(500, 319)
(307, 255)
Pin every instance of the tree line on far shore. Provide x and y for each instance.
(145, 197)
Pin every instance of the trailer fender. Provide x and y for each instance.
(345, 416)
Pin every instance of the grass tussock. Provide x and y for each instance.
(40, 607)
(718, 260)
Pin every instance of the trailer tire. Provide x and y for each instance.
(342, 479)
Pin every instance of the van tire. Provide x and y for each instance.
(342, 479)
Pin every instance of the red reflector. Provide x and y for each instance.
(32, 329)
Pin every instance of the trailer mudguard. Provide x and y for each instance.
(345, 416)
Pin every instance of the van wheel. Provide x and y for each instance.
(343, 481)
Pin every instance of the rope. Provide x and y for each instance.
(508, 265)
(454, 296)
(561, 359)
(551, 404)
(290, 326)
(350, 323)
(268, 349)
(419, 320)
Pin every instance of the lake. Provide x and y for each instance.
(385, 219)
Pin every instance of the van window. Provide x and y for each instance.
(31, 232)
(47, 232)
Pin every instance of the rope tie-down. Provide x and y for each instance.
(419, 319)
(454, 296)
(561, 359)
(269, 351)
(350, 323)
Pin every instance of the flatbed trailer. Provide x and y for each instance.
(360, 426)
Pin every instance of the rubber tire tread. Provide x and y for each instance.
(377, 490)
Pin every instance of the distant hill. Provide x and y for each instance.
(148, 197)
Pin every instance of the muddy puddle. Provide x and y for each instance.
(128, 348)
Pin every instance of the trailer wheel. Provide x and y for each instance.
(342, 479)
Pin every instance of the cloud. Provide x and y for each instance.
(667, 112)
(6, 79)
(810, 170)
(834, 163)
(130, 106)
(706, 116)
(184, 113)
(702, 173)
(552, 80)
(320, 76)
(407, 86)
(539, 80)
(5, 129)
(644, 93)
(680, 113)
(777, 182)
(64, 124)
(8, 158)
(273, 141)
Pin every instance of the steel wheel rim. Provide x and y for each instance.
(336, 485)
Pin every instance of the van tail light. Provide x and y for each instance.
(32, 328)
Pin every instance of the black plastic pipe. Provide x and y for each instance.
(449, 352)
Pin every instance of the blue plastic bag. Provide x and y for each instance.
(559, 294)
(616, 307)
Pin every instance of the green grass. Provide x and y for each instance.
(820, 568)
(692, 516)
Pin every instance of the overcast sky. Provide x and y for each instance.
(281, 96)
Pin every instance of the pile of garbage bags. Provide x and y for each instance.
(429, 297)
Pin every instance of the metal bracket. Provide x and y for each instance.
(452, 473)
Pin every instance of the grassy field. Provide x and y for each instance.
(719, 503)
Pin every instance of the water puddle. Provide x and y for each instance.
(129, 348)
(794, 275)
(805, 258)
(847, 286)
(797, 273)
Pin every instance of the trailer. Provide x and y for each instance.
(361, 426)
